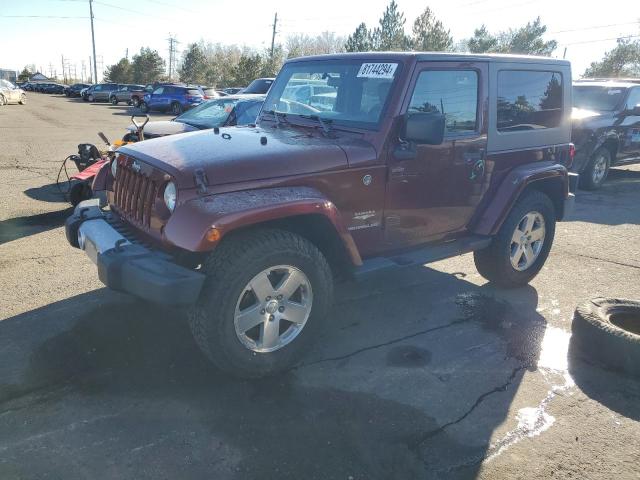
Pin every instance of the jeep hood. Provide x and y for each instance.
(238, 154)
(164, 127)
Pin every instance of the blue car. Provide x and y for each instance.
(172, 98)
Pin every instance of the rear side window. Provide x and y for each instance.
(453, 93)
(193, 91)
(529, 100)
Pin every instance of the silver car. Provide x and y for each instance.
(9, 93)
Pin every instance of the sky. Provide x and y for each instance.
(34, 33)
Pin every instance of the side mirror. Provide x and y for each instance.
(424, 128)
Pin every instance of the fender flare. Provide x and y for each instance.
(231, 211)
(510, 189)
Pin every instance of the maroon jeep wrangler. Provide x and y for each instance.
(391, 159)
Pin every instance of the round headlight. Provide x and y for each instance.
(170, 196)
(114, 166)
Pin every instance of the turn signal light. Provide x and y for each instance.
(213, 235)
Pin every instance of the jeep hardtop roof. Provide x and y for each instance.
(608, 82)
(436, 56)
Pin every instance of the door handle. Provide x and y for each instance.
(471, 158)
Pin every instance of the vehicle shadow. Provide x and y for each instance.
(20, 227)
(52, 192)
(410, 380)
(620, 195)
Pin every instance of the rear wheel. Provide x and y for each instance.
(266, 296)
(23, 99)
(3, 101)
(135, 101)
(144, 108)
(90, 98)
(176, 108)
(114, 100)
(596, 170)
(519, 250)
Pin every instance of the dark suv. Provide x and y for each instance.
(172, 98)
(75, 89)
(606, 127)
(413, 157)
(99, 92)
(125, 93)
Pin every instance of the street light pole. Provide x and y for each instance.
(93, 41)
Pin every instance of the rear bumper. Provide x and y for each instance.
(129, 267)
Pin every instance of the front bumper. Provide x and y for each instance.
(570, 201)
(129, 267)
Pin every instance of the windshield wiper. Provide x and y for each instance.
(327, 127)
(278, 116)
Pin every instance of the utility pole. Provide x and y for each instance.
(564, 55)
(172, 54)
(126, 55)
(273, 35)
(93, 42)
(64, 77)
(89, 74)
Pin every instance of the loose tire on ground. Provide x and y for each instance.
(597, 170)
(230, 269)
(495, 262)
(608, 330)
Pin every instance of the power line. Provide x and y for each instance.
(594, 27)
(622, 37)
(38, 16)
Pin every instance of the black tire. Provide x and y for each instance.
(23, 99)
(135, 101)
(229, 270)
(113, 100)
(144, 108)
(608, 330)
(79, 192)
(592, 177)
(176, 108)
(90, 98)
(3, 101)
(494, 262)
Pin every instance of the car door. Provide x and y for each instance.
(155, 99)
(433, 190)
(629, 149)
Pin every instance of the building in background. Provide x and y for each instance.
(10, 75)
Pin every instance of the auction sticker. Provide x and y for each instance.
(377, 70)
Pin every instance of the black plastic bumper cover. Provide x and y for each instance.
(570, 201)
(134, 269)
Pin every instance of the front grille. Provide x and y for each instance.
(134, 194)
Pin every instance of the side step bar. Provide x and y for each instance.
(427, 254)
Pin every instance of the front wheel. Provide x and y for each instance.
(3, 101)
(596, 170)
(265, 299)
(91, 98)
(23, 99)
(144, 108)
(176, 108)
(135, 101)
(114, 101)
(518, 252)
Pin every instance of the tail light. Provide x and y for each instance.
(572, 154)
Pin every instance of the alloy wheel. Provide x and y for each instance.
(527, 241)
(599, 169)
(273, 308)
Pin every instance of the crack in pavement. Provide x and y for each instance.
(415, 444)
(384, 344)
(592, 257)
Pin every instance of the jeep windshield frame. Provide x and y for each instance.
(600, 98)
(361, 97)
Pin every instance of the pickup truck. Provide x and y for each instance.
(419, 157)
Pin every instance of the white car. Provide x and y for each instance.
(9, 93)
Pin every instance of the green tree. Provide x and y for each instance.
(119, 72)
(359, 41)
(147, 66)
(25, 75)
(482, 41)
(271, 64)
(247, 69)
(429, 33)
(389, 35)
(622, 61)
(194, 65)
(527, 39)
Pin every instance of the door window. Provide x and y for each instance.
(529, 100)
(453, 93)
(158, 91)
(634, 98)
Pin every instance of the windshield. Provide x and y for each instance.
(350, 93)
(210, 114)
(261, 85)
(597, 98)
